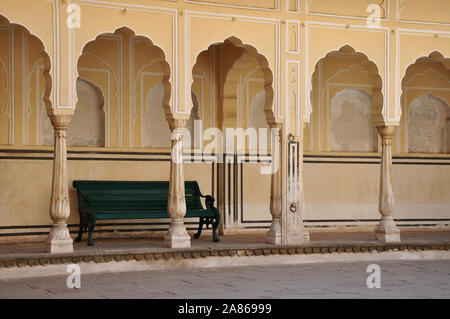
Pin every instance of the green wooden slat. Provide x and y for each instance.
(129, 185)
(131, 214)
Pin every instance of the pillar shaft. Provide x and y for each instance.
(177, 235)
(387, 230)
(274, 234)
(59, 240)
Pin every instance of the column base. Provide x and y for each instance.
(273, 236)
(387, 231)
(59, 240)
(299, 238)
(387, 238)
(177, 236)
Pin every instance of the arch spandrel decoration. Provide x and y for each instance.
(31, 19)
(375, 79)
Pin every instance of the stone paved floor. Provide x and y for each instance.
(228, 241)
(399, 279)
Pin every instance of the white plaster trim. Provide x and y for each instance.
(415, 21)
(297, 96)
(293, 11)
(213, 4)
(13, 88)
(297, 22)
(40, 105)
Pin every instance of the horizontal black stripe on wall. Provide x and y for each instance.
(131, 230)
(378, 157)
(375, 220)
(256, 221)
(118, 159)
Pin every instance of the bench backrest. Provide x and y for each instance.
(145, 190)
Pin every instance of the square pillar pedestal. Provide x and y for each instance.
(59, 240)
(177, 237)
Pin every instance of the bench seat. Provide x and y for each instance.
(109, 200)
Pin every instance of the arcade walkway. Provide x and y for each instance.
(233, 250)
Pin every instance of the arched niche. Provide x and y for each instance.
(244, 75)
(87, 126)
(238, 57)
(351, 125)
(156, 129)
(424, 101)
(342, 117)
(134, 75)
(375, 79)
(429, 125)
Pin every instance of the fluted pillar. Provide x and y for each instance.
(387, 231)
(177, 236)
(59, 240)
(274, 234)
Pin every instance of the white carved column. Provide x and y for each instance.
(387, 231)
(304, 233)
(177, 236)
(59, 240)
(274, 234)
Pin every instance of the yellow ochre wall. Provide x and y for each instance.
(291, 57)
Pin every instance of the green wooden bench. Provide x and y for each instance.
(107, 200)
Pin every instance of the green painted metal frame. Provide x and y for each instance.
(109, 200)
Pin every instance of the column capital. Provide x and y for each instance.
(386, 131)
(175, 123)
(60, 118)
(275, 123)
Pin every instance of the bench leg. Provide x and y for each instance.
(91, 229)
(82, 227)
(200, 227)
(80, 235)
(215, 225)
(215, 237)
(90, 241)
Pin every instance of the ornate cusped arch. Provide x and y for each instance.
(434, 56)
(249, 52)
(160, 59)
(375, 79)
